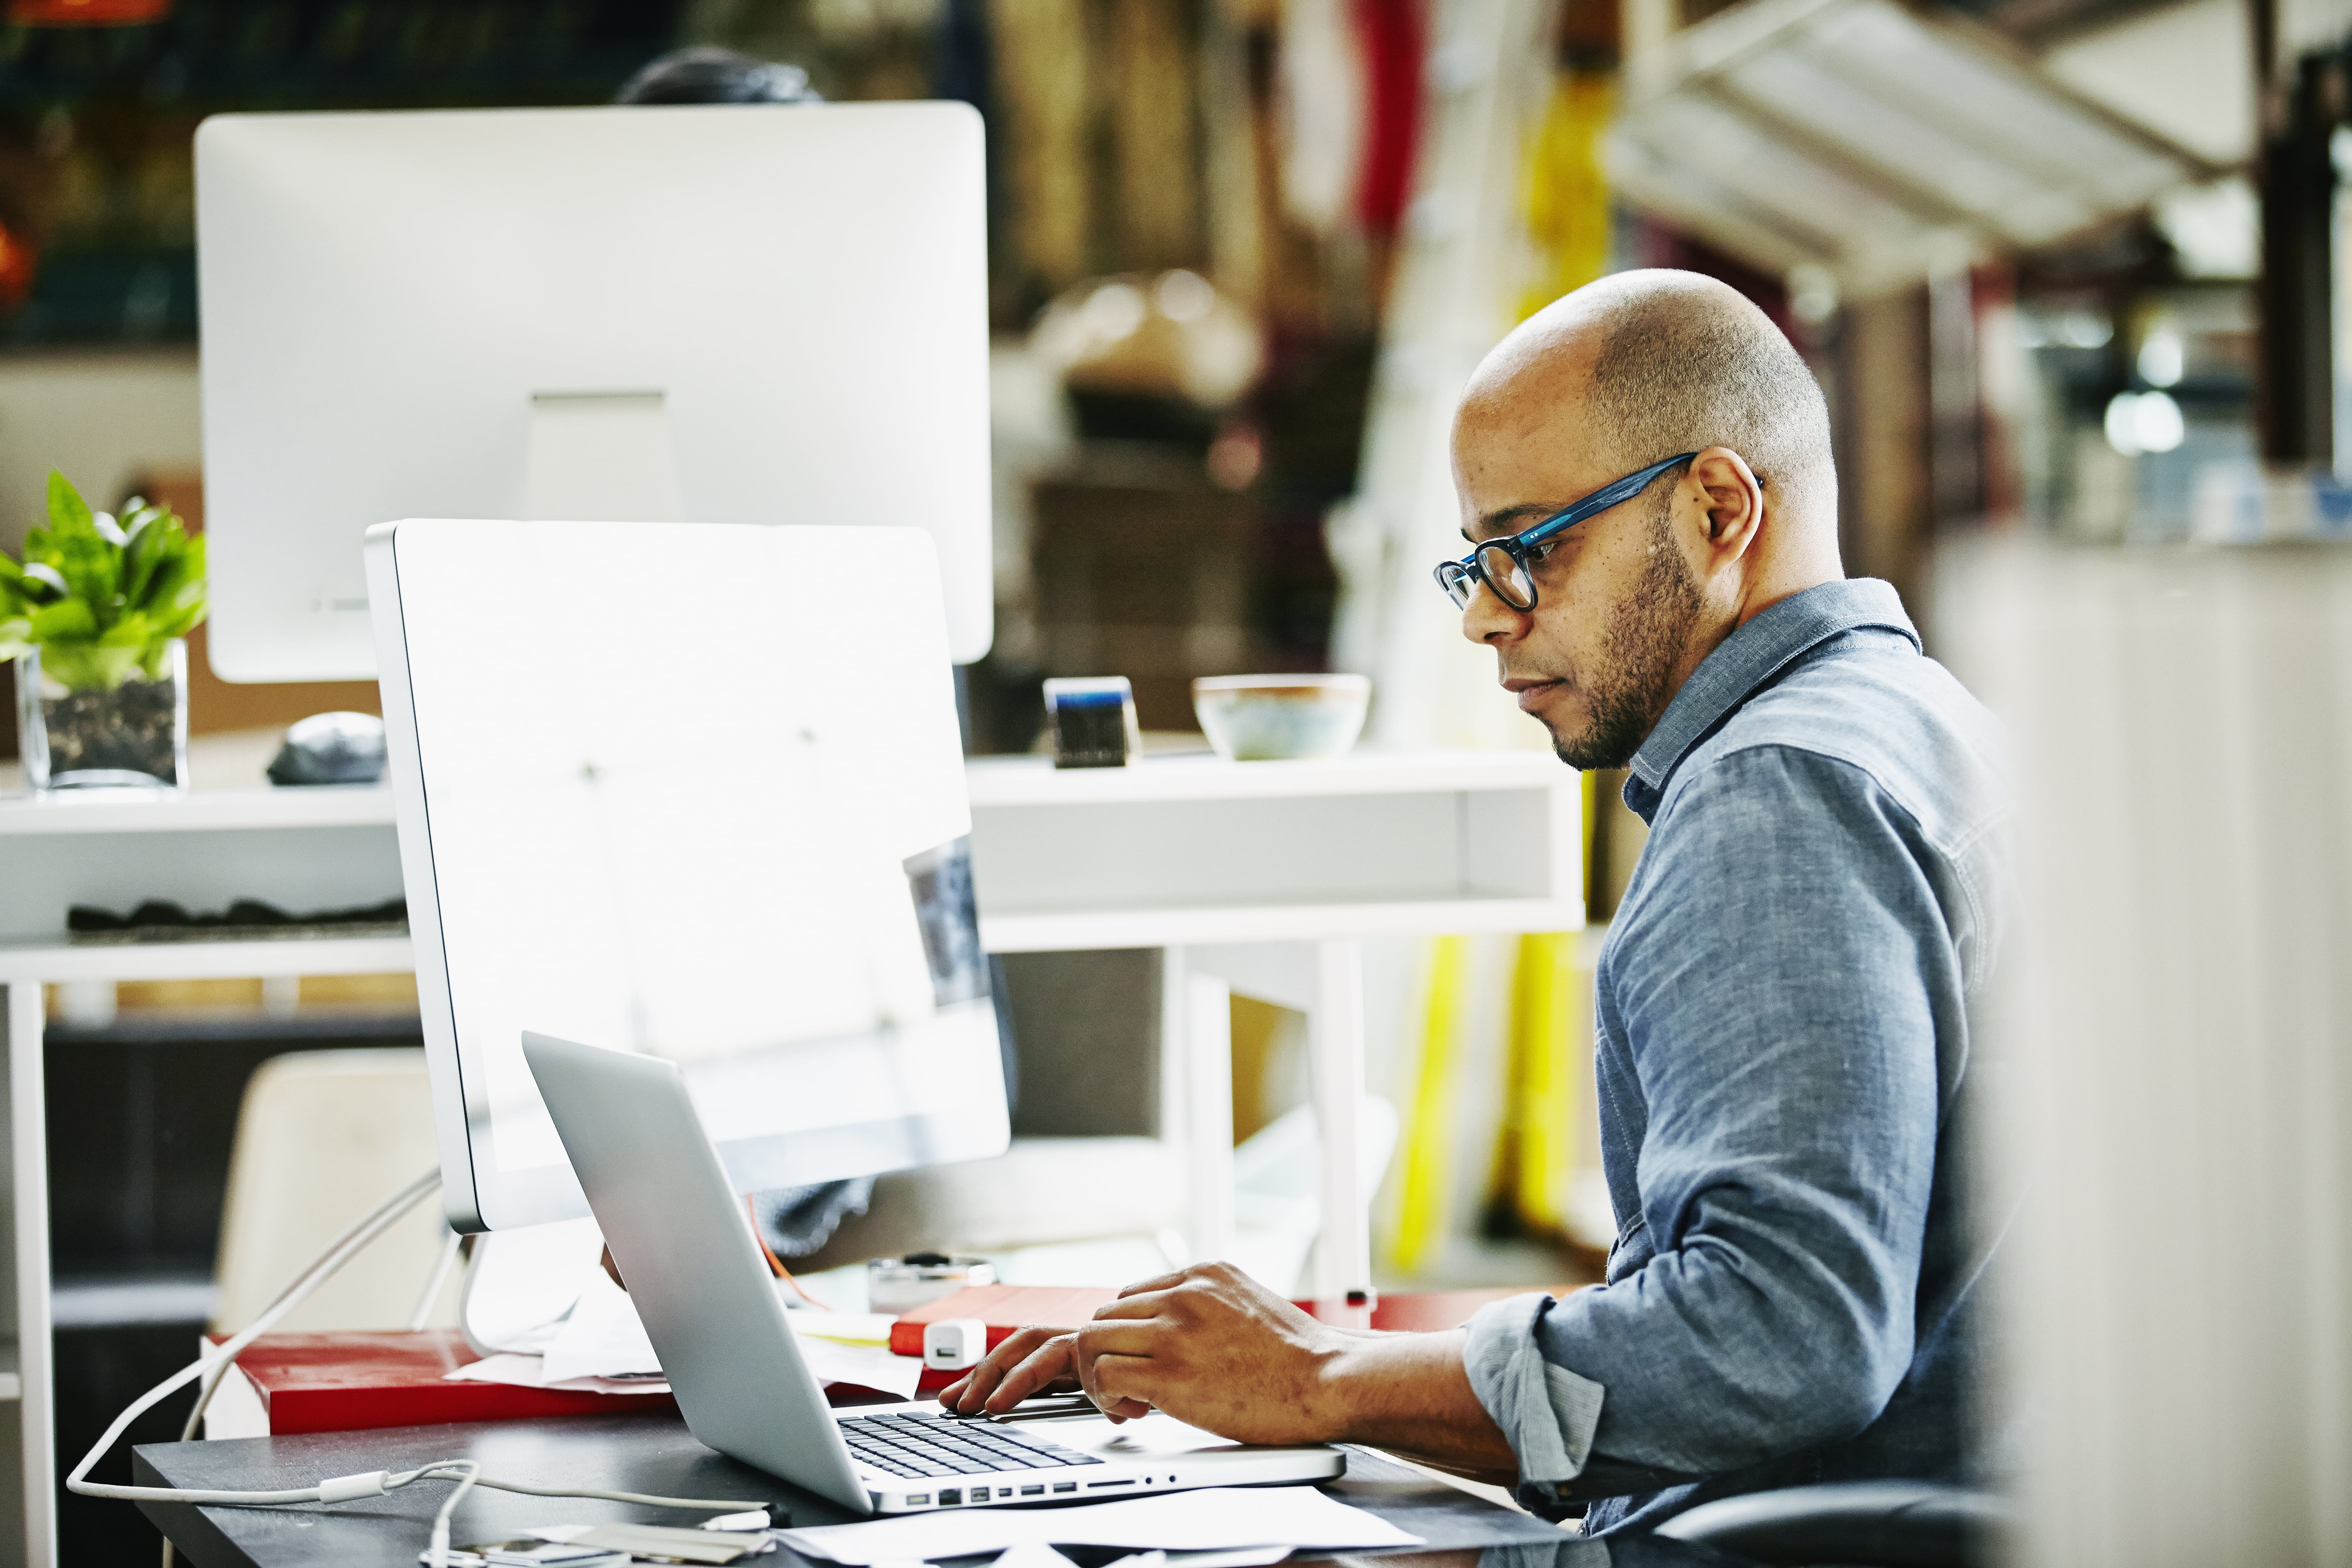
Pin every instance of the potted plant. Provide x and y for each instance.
(96, 615)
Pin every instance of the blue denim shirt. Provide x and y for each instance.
(1782, 1051)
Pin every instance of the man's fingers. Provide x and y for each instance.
(964, 1395)
(1048, 1364)
(1136, 1302)
(1121, 1386)
(982, 1381)
(1120, 1336)
(1157, 1282)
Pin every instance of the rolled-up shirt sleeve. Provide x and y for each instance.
(1546, 1412)
(1778, 1032)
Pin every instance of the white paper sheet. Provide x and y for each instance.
(867, 1366)
(530, 1371)
(878, 1370)
(1239, 1557)
(1216, 1519)
(603, 1338)
(1033, 1555)
(849, 1327)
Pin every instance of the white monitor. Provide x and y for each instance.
(694, 790)
(744, 313)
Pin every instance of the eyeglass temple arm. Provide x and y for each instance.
(1600, 501)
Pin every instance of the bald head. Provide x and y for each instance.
(1649, 364)
(1602, 623)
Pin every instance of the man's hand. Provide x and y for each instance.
(1209, 1345)
(1218, 1351)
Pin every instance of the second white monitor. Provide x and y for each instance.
(695, 792)
(752, 314)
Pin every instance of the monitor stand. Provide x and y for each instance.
(601, 457)
(519, 1282)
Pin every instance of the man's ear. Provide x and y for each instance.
(1732, 500)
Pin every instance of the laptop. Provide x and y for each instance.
(682, 1239)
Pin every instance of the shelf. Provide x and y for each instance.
(997, 781)
(131, 1300)
(196, 811)
(233, 960)
(992, 781)
(1059, 931)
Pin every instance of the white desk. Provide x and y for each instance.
(1256, 878)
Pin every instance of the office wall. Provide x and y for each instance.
(99, 416)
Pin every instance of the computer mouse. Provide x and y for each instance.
(330, 748)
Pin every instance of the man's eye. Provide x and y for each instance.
(1539, 554)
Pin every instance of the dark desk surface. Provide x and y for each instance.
(615, 1453)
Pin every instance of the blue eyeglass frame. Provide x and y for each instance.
(1457, 577)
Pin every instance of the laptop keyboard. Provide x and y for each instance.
(924, 1445)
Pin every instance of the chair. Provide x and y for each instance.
(321, 1138)
(1860, 1524)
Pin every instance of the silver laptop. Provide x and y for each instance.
(682, 1240)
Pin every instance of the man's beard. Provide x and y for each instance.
(1627, 692)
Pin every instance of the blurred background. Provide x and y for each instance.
(1228, 236)
(2071, 268)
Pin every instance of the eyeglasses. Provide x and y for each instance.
(1503, 563)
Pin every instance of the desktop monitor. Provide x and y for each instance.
(741, 313)
(696, 791)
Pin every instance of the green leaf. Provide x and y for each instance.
(44, 583)
(91, 568)
(69, 620)
(133, 630)
(68, 514)
(15, 637)
(177, 600)
(156, 539)
(109, 529)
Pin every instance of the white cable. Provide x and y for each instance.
(466, 1473)
(433, 1285)
(339, 1252)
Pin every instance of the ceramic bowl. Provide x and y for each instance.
(1281, 718)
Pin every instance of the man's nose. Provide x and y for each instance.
(1486, 619)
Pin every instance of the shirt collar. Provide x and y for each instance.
(1747, 660)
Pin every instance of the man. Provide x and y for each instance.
(1783, 999)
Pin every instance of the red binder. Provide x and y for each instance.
(351, 1382)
